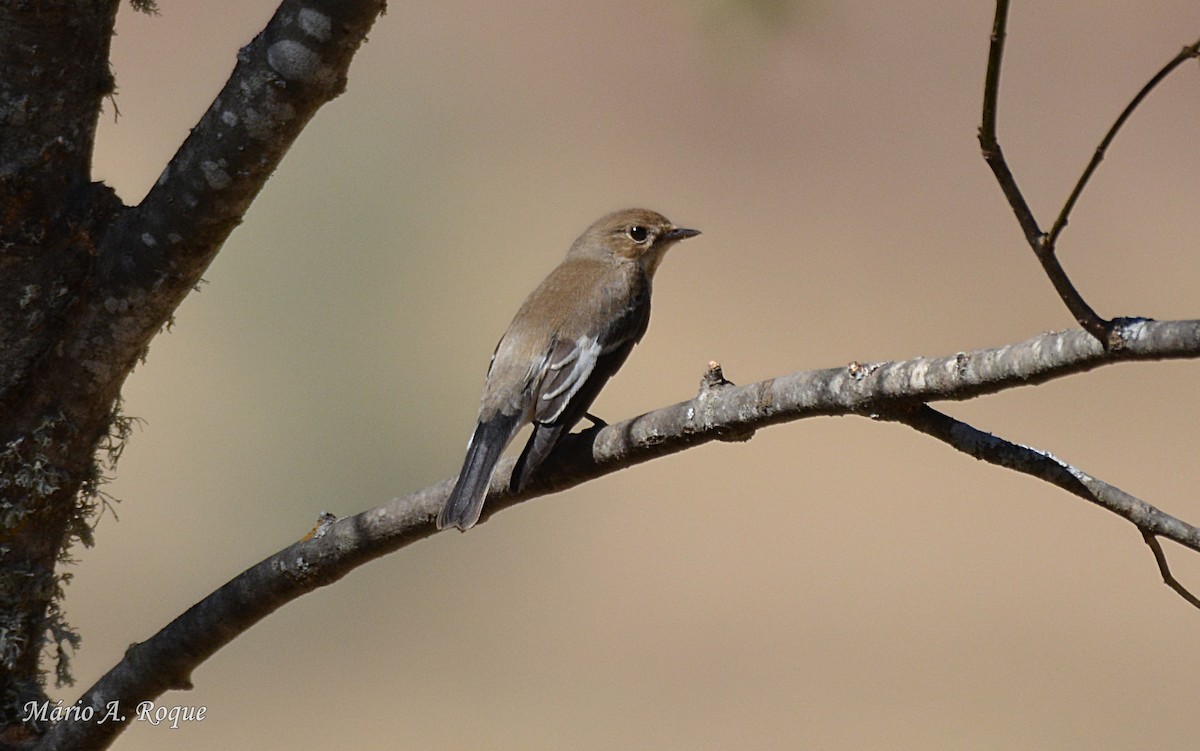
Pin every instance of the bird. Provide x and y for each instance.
(570, 336)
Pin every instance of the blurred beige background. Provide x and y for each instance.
(833, 584)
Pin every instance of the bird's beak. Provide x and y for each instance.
(680, 233)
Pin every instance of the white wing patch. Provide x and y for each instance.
(580, 360)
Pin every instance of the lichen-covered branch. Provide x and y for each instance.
(720, 411)
(294, 66)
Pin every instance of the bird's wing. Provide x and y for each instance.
(576, 369)
(567, 369)
(564, 411)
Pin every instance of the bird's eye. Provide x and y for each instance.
(638, 233)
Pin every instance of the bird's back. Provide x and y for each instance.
(617, 294)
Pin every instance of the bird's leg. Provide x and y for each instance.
(597, 423)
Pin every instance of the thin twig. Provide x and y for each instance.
(992, 153)
(1168, 578)
(1185, 54)
(994, 450)
(994, 156)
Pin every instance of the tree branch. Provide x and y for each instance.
(720, 411)
(1043, 243)
(156, 253)
(994, 450)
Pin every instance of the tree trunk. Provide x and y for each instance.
(56, 402)
(86, 282)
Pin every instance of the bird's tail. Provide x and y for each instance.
(466, 500)
(541, 443)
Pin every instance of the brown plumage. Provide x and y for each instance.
(569, 337)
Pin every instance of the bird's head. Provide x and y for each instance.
(638, 235)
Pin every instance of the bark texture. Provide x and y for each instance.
(86, 282)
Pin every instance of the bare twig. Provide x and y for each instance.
(994, 450)
(994, 156)
(720, 411)
(1044, 243)
(1165, 570)
(992, 153)
(1187, 53)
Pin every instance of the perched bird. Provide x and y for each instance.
(569, 337)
